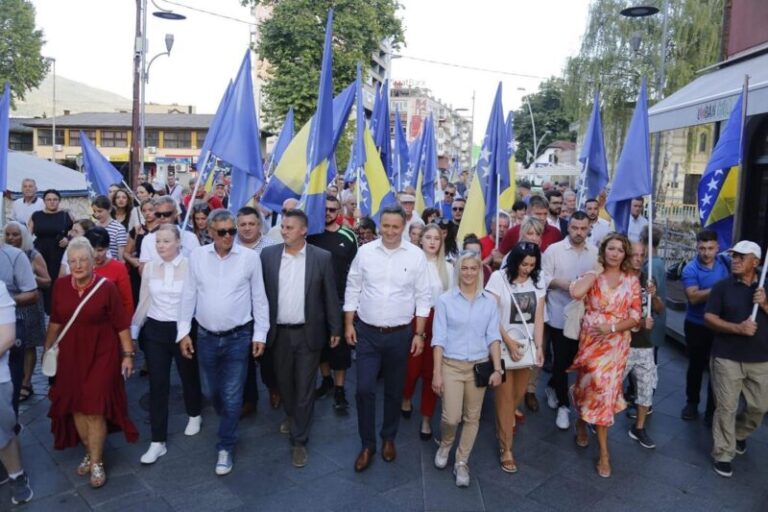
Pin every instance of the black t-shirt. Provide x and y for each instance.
(342, 244)
(731, 300)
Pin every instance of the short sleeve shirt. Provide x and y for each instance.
(731, 300)
(696, 274)
(527, 296)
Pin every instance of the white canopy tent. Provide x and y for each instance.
(68, 182)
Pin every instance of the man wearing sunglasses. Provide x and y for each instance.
(449, 194)
(166, 212)
(341, 242)
(224, 292)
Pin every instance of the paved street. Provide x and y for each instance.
(554, 474)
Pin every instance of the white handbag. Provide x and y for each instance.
(51, 356)
(529, 355)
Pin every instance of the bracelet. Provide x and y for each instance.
(420, 335)
(129, 354)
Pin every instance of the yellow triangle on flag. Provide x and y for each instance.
(473, 220)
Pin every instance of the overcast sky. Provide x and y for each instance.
(93, 40)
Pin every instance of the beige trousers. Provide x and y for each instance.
(462, 402)
(729, 380)
(507, 398)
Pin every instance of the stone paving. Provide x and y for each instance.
(554, 474)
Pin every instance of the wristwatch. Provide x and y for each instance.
(499, 371)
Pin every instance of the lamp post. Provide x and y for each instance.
(139, 82)
(533, 127)
(52, 62)
(641, 11)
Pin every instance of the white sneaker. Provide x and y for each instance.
(224, 464)
(563, 420)
(552, 400)
(441, 457)
(193, 425)
(461, 470)
(155, 451)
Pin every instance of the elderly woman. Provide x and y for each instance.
(465, 332)
(95, 356)
(612, 310)
(32, 315)
(155, 324)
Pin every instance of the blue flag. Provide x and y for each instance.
(99, 172)
(375, 109)
(400, 157)
(5, 105)
(333, 169)
(320, 142)
(594, 175)
(425, 188)
(381, 134)
(286, 134)
(414, 157)
(633, 172)
(720, 181)
(205, 162)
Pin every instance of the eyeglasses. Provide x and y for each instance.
(331, 210)
(458, 208)
(165, 215)
(224, 232)
(450, 194)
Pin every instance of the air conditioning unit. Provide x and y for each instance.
(58, 147)
(152, 150)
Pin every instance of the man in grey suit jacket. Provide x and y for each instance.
(304, 314)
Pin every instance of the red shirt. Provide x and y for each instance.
(551, 235)
(488, 244)
(115, 271)
(213, 202)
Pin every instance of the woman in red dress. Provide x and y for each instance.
(112, 269)
(95, 356)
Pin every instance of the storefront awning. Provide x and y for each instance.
(710, 97)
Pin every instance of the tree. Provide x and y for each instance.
(20, 61)
(607, 60)
(549, 116)
(292, 42)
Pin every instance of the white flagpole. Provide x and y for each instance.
(760, 284)
(650, 245)
(194, 191)
(498, 205)
(580, 205)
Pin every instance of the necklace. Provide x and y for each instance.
(81, 289)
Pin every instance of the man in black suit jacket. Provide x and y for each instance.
(304, 314)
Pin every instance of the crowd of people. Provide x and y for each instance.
(550, 289)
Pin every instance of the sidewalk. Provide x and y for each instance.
(554, 474)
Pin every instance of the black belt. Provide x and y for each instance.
(221, 334)
(290, 326)
(385, 330)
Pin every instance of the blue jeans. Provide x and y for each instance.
(223, 365)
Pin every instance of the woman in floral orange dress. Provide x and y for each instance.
(612, 309)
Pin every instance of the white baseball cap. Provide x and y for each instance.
(747, 247)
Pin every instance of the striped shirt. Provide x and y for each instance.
(118, 236)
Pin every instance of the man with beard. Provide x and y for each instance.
(555, 198)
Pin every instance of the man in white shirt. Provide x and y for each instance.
(224, 292)
(274, 232)
(10, 452)
(304, 316)
(563, 262)
(408, 202)
(28, 203)
(173, 189)
(249, 235)
(555, 200)
(598, 227)
(637, 223)
(387, 282)
(166, 212)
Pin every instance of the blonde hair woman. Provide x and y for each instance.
(440, 279)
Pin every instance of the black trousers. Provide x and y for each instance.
(698, 344)
(160, 348)
(563, 351)
(296, 365)
(251, 386)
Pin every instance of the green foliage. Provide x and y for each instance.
(20, 61)
(292, 42)
(548, 115)
(607, 61)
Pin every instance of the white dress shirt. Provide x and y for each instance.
(561, 260)
(636, 227)
(160, 293)
(435, 283)
(189, 243)
(385, 285)
(224, 293)
(21, 211)
(290, 287)
(598, 230)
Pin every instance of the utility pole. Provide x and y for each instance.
(136, 149)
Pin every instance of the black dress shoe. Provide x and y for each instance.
(425, 436)
(406, 414)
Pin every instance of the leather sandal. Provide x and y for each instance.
(603, 469)
(508, 464)
(98, 475)
(85, 466)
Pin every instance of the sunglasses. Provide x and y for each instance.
(165, 215)
(450, 194)
(458, 209)
(332, 210)
(224, 232)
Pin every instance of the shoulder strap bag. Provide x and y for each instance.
(529, 356)
(50, 357)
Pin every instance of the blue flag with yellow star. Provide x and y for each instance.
(720, 181)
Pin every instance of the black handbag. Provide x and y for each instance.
(483, 372)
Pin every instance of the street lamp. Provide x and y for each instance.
(642, 11)
(52, 62)
(140, 78)
(533, 126)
